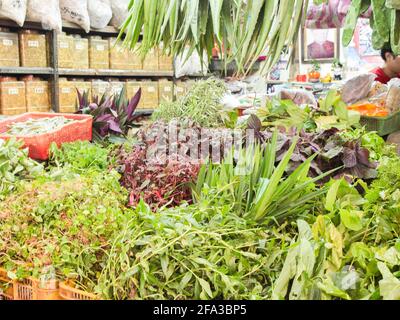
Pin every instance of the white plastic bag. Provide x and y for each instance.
(76, 11)
(100, 13)
(298, 96)
(14, 10)
(49, 15)
(120, 12)
(191, 66)
(393, 95)
(357, 88)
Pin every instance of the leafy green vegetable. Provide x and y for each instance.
(80, 156)
(284, 113)
(298, 267)
(191, 252)
(331, 113)
(389, 286)
(64, 224)
(15, 165)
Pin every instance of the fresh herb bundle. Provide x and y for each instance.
(202, 105)
(64, 224)
(80, 156)
(159, 181)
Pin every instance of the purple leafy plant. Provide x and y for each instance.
(112, 116)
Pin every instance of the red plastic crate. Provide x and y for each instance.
(39, 145)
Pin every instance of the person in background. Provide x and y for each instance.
(390, 70)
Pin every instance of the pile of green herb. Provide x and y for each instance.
(15, 165)
(202, 105)
(64, 224)
(351, 250)
(193, 252)
(383, 200)
(79, 156)
(37, 126)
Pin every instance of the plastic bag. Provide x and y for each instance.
(120, 12)
(100, 13)
(357, 88)
(393, 95)
(76, 11)
(298, 96)
(14, 10)
(191, 66)
(49, 15)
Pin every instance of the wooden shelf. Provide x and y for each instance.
(53, 73)
(69, 26)
(144, 112)
(27, 25)
(22, 70)
(66, 25)
(114, 73)
(276, 81)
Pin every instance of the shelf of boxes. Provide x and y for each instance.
(72, 61)
(113, 73)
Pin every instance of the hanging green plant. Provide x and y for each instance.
(243, 30)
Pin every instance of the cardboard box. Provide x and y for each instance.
(166, 91)
(37, 96)
(67, 94)
(150, 63)
(149, 94)
(132, 88)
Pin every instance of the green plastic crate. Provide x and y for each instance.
(382, 125)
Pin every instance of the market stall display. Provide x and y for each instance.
(145, 185)
(286, 178)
